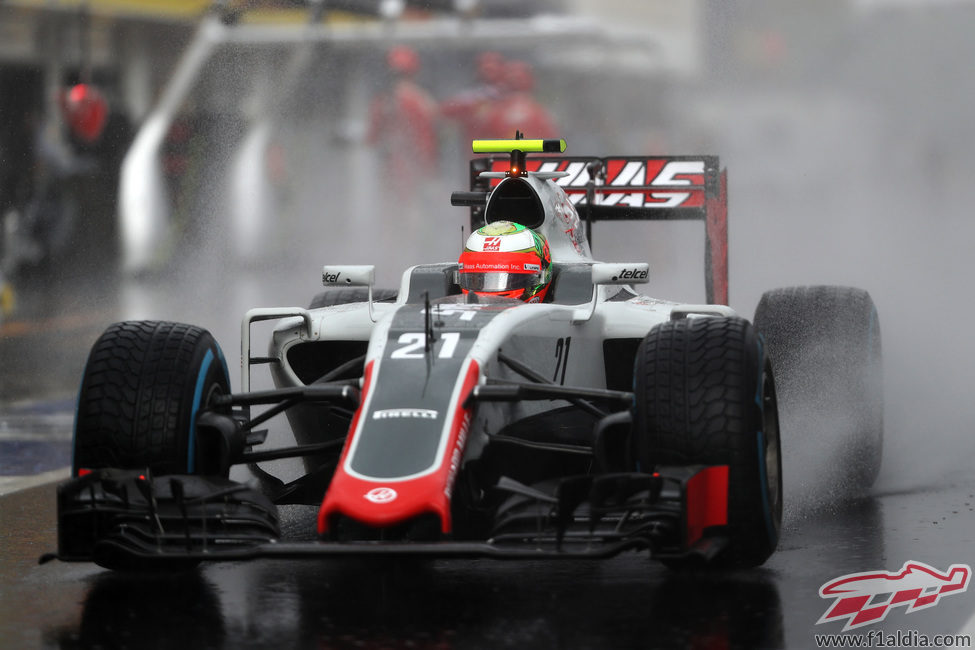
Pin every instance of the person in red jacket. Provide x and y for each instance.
(473, 107)
(402, 126)
(518, 110)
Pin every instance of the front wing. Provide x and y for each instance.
(123, 518)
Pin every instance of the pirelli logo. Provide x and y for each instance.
(396, 414)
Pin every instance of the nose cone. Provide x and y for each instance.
(382, 504)
(400, 463)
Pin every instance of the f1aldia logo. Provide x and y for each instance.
(866, 598)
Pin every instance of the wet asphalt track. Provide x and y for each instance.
(626, 602)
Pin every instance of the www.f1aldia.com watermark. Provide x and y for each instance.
(898, 639)
(866, 598)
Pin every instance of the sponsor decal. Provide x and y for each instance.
(455, 457)
(632, 274)
(487, 267)
(492, 243)
(645, 301)
(533, 267)
(672, 176)
(462, 311)
(866, 598)
(393, 414)
(669, 175)
(381, 495)
(572, 225)
(501, 228)
(330, 278)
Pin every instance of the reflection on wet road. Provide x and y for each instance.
(442, 605)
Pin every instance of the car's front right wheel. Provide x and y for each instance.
(705, 394)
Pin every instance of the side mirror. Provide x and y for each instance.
(613, 273)
(351, 276)
(620, 273)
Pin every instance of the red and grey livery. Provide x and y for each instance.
(433, 422)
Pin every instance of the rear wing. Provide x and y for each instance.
(635, 188)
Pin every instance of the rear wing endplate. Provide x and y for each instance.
(636, 188)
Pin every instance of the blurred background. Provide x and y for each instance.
(188, 160)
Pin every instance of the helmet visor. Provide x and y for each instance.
(499, 281)
(495, 272)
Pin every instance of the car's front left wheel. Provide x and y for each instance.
(143, 386)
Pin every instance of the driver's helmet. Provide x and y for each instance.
(85, 111)
(403, 60)
(506, 259)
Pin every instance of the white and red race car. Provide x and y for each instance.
(434, 422)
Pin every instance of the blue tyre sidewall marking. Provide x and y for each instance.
(197, 398)
(762, 473)
(77, 414)
(223, 362)
(763, 476)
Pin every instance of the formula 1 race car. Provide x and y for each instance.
(446, 422)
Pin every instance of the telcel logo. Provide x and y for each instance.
(330, 278)
(633, 274)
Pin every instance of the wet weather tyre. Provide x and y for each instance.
(705, 394)
(332, 297)
(825, 346)
(143, 385)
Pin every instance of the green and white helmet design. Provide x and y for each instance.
(506, 259)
